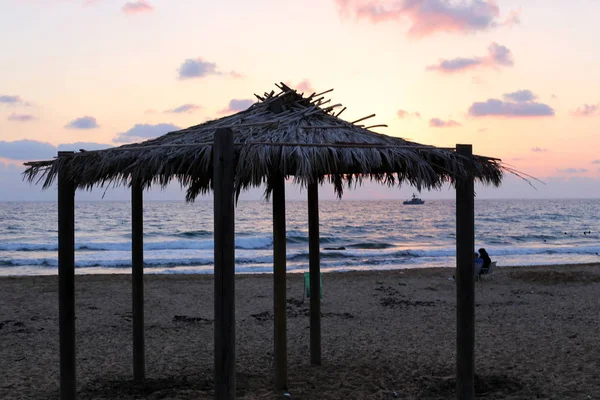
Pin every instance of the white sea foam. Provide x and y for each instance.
(374, 235)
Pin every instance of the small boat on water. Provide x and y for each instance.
(414, 200)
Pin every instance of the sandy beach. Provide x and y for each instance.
(387, 334)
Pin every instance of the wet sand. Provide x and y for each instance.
(386, 335)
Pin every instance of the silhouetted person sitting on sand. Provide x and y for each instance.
(477, 263)
(477, 266)
(486, 260)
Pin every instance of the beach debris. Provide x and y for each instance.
(393, 302)
(185, 318)
(295, 302)
(395, 394)
(127, 316)
(388, 290)
(263, 316)
(6, 322)
(345, 315)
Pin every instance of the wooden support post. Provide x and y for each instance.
(279, 281)
(465, 285)
(314, 249)
(137, 280)
(224, 236)
(66, 281)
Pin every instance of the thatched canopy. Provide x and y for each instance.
(281, 134)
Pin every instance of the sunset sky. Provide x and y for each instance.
(520, 80)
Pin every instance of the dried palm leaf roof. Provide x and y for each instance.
(281, 134)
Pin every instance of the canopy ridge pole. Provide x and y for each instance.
(279, 282)
(224, 264)
(327, 91)
(465, 284)
(341, 111)
(362, 119)
(315, 273)
(66, 280)
(377, 126)
(137, 280)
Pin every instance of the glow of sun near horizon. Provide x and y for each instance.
(520, 80)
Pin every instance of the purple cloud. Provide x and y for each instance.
(517, 104)
(498, 56)
(186, 108)
(520, 96)
(142, 132)
(538, 150)
(9, 99)
(439, 123)
(236, 105)
(24, 150)
(83, 123)
(587, 110)
(137, 7)
(198, 68)
(405, 114)
(12, 100)
(426, 17)
(21, 117)
(455, 64)
(572, 170)
(596, 162)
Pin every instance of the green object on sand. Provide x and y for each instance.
(307, 284)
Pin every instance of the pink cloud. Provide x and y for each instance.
(137, 7)
(406, 114)
(498, 56)
(426, 17)
(587, 110)
(304, 86)
(439, 123)
(513, 18)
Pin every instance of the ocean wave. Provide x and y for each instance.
(194, 234)
(240, 243)
(373, 245)
(246, 260)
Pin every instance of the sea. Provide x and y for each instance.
(355, 235)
